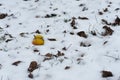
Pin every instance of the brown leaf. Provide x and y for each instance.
(117, 9)
(60, 54)
(81, 5)
(84, 9)
(82, 34)
(30, 75)
(83, 18)
(0, 4)
(105, 22)
(108, 31)
(36, 50)
(38, 32)
(50, 15)
(7, 34)
(45, 59)
(93, 33)
(84, 44)
(64, 48)
(3, 15)
(67, 67)
(106, 74)
(49, 55)
(0, 66)
(23, 34)
(51, 39)
(47, 30)
(105, 10)
(100, 13)
(33, 65)
(116, 22)
(36, 0)
(8, 40)
(72, 33)
(16, 63)
(105, 42)
(72, 22)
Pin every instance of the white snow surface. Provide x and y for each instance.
(86, 63)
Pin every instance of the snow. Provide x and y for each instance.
(86, 63)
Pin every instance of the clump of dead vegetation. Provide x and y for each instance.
(50, 56)
(50, 15)
(3, 15)
(85, 44)
(106, 74)
(73, 23)
(116, 22)
(16, 63)
(33, 66)
(108, 31)
(82, 34)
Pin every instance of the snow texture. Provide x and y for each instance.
(65, 54)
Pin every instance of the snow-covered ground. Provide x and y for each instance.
(81, 39)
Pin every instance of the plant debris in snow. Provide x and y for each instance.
(3, 15)
(82, 34)
(67, 67)
(59, 54)
(50, 15)
(51, 39)
(73, 23)
(16, 63)
(115, 23)
(33, 65)
(108, 31)
(0, 66)
(83, 18)
(30, 75)
(106, 74)
(85, 44)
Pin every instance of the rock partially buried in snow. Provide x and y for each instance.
(38, 40)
